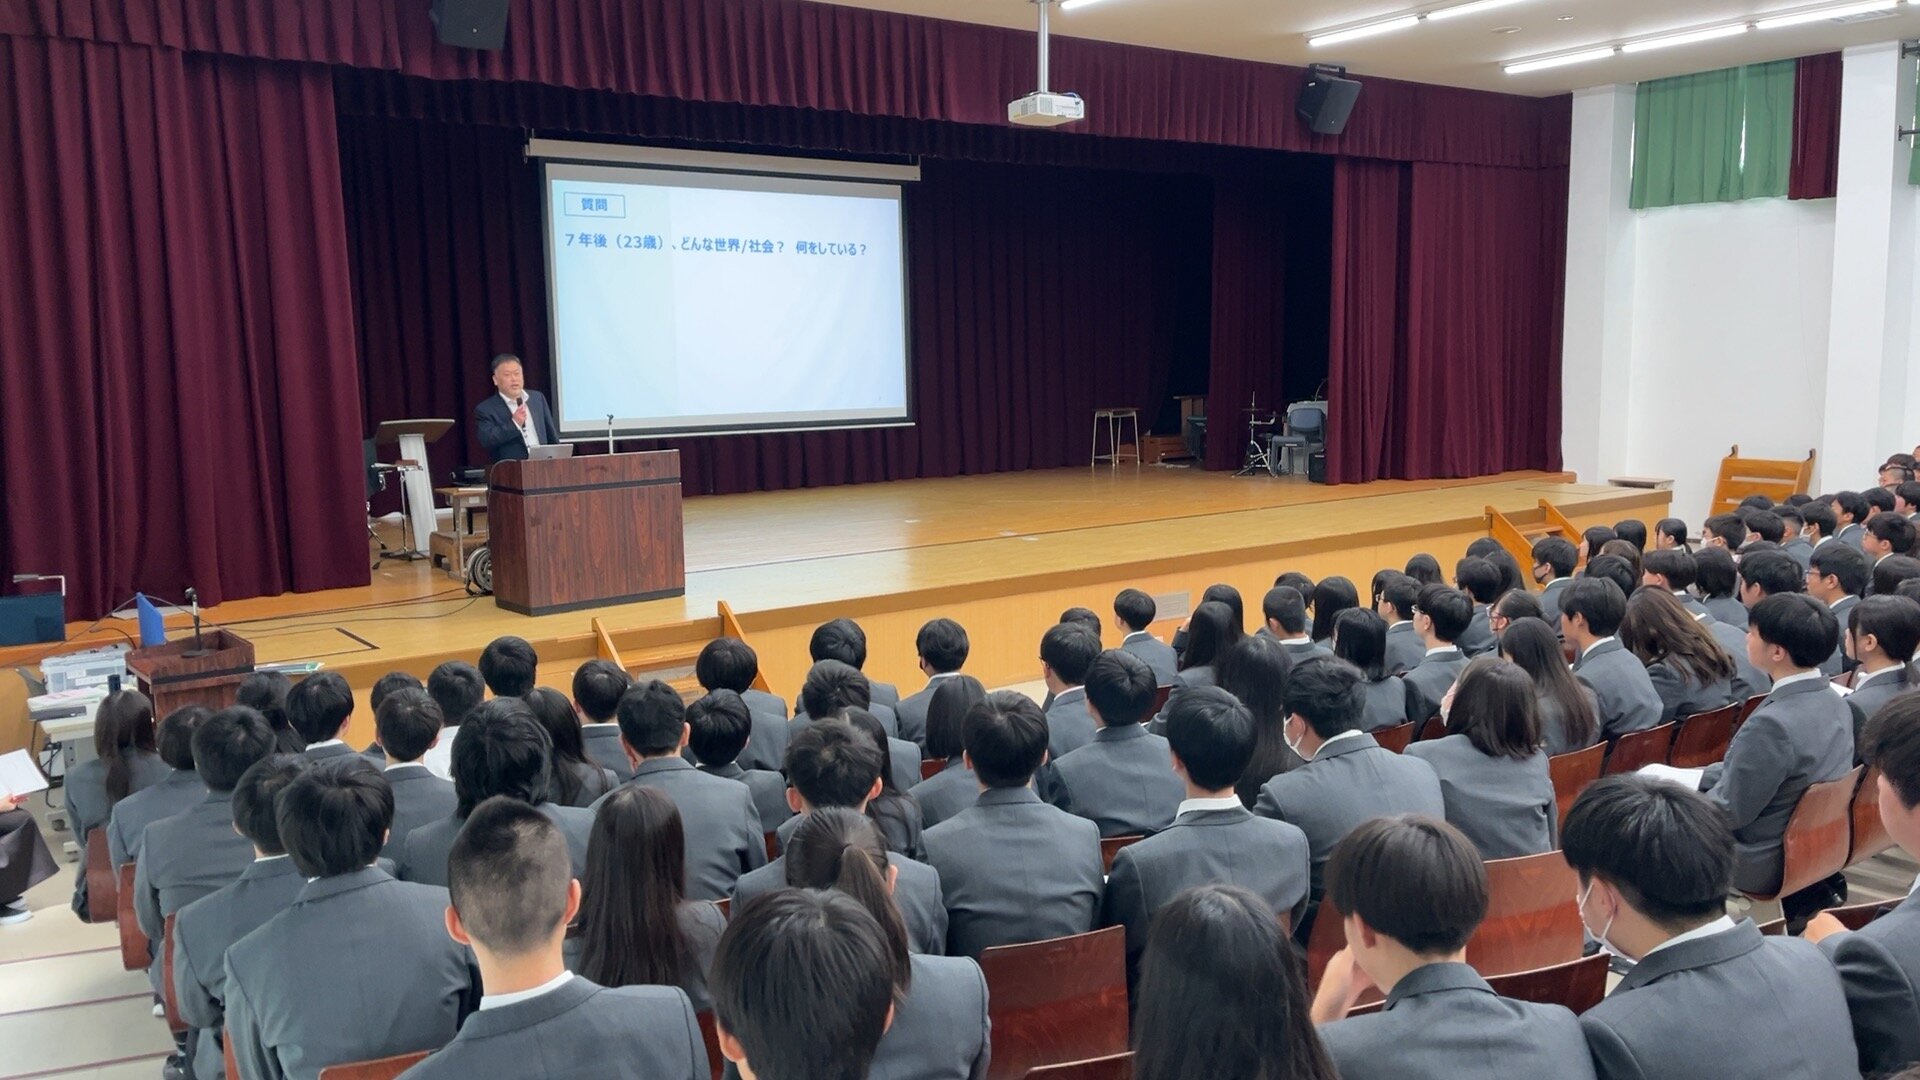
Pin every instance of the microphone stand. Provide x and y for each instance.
(609, 433)
(198, 649)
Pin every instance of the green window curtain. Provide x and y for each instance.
(1716, 136)
(1768, 158)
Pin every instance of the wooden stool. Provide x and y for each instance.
(1116, 420)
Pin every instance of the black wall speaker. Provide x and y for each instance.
(471, 24)
(1327, 99)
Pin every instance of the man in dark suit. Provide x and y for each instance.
(1838, 578)
(1012, 868)
(512, 895)
(942, 647)
(513, 419)
(728, 663)
(359, 966)
(1134, 610)
(318, 709)
(408, 724)
(1480, 580)
(1441, 617)
(597, 686)
(1411, 891)
(1882, 633)
(1554, 558)
(1067, 650)
(1123, 779)
(1285, 611)
(1591, 613)
(1399, 598)
(1706, 996)
(719, 729)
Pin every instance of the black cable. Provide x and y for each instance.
(381, 618)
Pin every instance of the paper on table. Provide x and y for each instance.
(19, 775)
(1689, 778)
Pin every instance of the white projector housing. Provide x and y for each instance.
(1044, 109)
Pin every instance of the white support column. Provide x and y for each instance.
(1597, 345)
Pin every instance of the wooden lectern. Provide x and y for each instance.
(171, 678)
(581, 532)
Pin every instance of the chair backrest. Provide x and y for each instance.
(1572, 772)
(1577, 984)
(1110, 846)
(103, 887)
(1855, 916)
(1818, 834)
(772, 840)
(931, 767)
(1307, 418)
(1746, 709)
(1434, 728)
(169, 998)
(226, 1054)
(1740, 477)
(1869, 832)
(1111, 1067)
(716, 1063)
(1774, 927)
(1703, 738)
(1533, 916)
(1396, 738)
(1636, 749)
(725, 904)
(1055, 1001)
(135, 952)
(1160, 696)
(382, 1069)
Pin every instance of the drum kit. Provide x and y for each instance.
(1261, 425)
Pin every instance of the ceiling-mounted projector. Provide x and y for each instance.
(1044, 107)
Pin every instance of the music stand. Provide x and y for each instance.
(416, 489)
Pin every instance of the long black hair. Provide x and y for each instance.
(122, 727)
(1331, 597)
(556, 714)
(1532, 644)
(1211, 632)
(1256, 672)
(636, 879)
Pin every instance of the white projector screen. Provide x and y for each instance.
(688, 302)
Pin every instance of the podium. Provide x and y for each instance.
(170, 678)
(581, 532)
(413, 437)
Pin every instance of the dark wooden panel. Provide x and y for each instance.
(383, 1069)
(1056, 1001)
(582, 532)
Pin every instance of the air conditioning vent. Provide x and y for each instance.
(1867, 16)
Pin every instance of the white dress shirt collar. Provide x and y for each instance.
(1864, 678)
(1205, 805)
(1343, 735)
(1303, 639)
(1137, 634)
(1801, 677)
(495, 1001)
(1443, 648)
(1718, 926)
(325, 743)
(1588, 651)
(527, 431)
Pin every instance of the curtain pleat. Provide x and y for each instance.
(1717, 136)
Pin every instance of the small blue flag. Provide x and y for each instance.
(153, 631)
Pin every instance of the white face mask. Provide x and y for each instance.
(1291, 745)
(1601, 935)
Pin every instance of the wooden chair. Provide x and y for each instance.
(1855, 916)
(931, 767)
(382, 1069)
(135, 951)
(1434, 728)
(170, 999)
(1869, 832)
(711, 1036)
(226, 1054)
(1703, 739)
(1774, 927)
(1160, 696)
(103, 888)
(1818, 835)
(1533, 916)
(1052, 1002)
(1740, 477)
(1577, 984)
(725, 904)
(1396, 738)
(1111, 1067)
(1572, 772)
(1110, 846)
(1639, 748)
(772, 840)
(1746, 709)
(1329, 936)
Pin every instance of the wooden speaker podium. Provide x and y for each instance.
(171, 678)
(581, 532)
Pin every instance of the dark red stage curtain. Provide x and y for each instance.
(1469, 383)
(1249, 313)
(1816, 128)
(831, 57)
(175, 335)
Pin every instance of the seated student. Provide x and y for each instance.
(1066, 651)
(1440, 619)
(1593, 539)
(940, 1029)
(1134, 611)
(1591, 616)
(1850, 510)
(511, 900)
(942, 648)
(833, 690)
(1360, 638)
(204, 929)
(1213, 837)
(1764, 525)
(1718, 579)
(1906, 498)
(1412, 891)
(1295, 580)
(843, 640)
(1821, 525)
(457, 687)
(1568, 710)
(597, 686)
(1793, 538)
(768, 1018)
(1256, 675)
(1081, 616)
(1879, 965)
(1399, 596)
(180, 790)
(1633, 532)
(1627, 554)
(1615, 569)
(1211, 631)
(1801, 735)
(1879, 501)
(1494, 779)
(407, 725)
(1122, 780)
(503, 751)
(835, 766)
(1889, 572)
(1223, 994)
(1882, 634)
(1480, 580)
(954, 787)
(1513, 604)
(1838, 579)
(359, 966)
(1724, 531)
(727, 663)
(1670, 533)
(1330, 597)
(1285, 611)
(25, 859)
(1424, 569)
(1553, 561)
(719, 727)
(385, 687)
(125, 762)
(1688, 668)
(265, 692)
(577, 782)
(897, 815)
(1887, 534)
(1012, 868)
(1673, 572)
(1706, 996)
(509, 666)
(1348, 778)
(319, 707)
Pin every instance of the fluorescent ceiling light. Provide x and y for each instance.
(1072, 5)
(1841, 11)
(1545, 62)
(1365, 30)
(1473, 7)
(1689, 38)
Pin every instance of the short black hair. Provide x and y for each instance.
(406, 724)
(1677, 566)
(1765, 524)
(831, 764)
(1283, 604)
(1414, 879)
(839, 639)
(1894, 621)
(779, 950)
(1478, 578)
(1633, 531)
(458, 688)
(1803, 626)
(1850, 502)
(1328, 694)
(254, 812)
(1909, 492)
(1424, 569)
(1755, 501)
(173, 738)
(390, 683)
(1843, 563)
(831, 686)
(1402, 594)
(1879, 498)
(1891, 743)
(1714, 571)
(320, 705)
(1558, 553)
(1212, 735)
(334, 820)
(597, 686)
(509, 664)
(1135, 609)
(1820, 516)
(1773, 573)
(1889, 572)
(1615, 569)
(1080, 616)
(1664, 846)
(727, 663)
(1120, 687)
(1360, 638)
(507, 876)
(718, 726)
(226, 744)
(1450, 609)
(652, 718)
(503, 749)
(1597, 600)
(1069, 649)
(1673, 529)
(1006, 737)
(1727, 527)
(942, 643)
(1297, 581)
(1790, 521)
(499, 359)
(1892, 529)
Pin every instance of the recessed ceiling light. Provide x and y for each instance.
(1471, 7)
(1506, 29)
(1364, 30)
(1564, 59)
(1841, 11)
(1689, 38)
(1074, 5)
(1563, 18)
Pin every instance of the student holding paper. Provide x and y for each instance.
(25, 860)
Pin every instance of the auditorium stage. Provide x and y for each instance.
(1004, 554)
